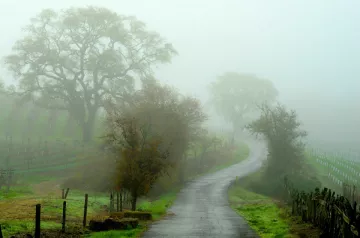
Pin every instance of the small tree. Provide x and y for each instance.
(281, 129)
(142, 160)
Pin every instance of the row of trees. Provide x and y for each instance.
(75, 60)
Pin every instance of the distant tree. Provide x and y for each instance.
(281, 129)
(75, 59)
(236, 96)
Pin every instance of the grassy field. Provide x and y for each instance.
(18, 209)
(18, 205)
(268, 217)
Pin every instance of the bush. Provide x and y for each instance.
(117, 215)
(304, 183)
(113, 224)
(139, 215)
(274, 187)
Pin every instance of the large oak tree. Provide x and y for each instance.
(72, 60)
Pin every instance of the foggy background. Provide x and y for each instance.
(309, 49)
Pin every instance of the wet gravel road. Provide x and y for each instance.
(202, 209)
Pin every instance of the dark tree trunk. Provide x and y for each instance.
(133, 200)
(121, 201)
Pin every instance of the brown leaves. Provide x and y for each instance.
(152, 133)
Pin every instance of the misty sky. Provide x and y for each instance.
(309, 49)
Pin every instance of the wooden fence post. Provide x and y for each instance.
(37, 221)
(66, 193)
(111, 209)
(314, 209)
(85, 210)
(117, 201)
(1, 235)
(64, 217)
(121, 201)
(332, 220)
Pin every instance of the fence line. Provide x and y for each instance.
(332, 213)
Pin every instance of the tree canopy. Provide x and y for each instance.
(282, 131)
(75, 59)
(235, 96)
(151, 134)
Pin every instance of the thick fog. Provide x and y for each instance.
(310, 50)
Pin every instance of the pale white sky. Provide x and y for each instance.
(309, 49)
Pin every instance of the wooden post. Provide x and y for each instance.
(121, 201)
(111, 202)
(332, 220)
(85, 210)
(66, 193)
(117, 201)
(37, 221)
(1, 235)
(64, 217)
(314, 211)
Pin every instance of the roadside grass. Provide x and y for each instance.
(157, 207)
(260, 212)
(265, 215)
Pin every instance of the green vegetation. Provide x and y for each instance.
(261, 212)
(240, 154)
(10, 228)
(267, 216)
(26, 195)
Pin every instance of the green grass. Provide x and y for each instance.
(15, 192)
(12, 227)
(159, 206)
(261, 213)
(158, 209)
(119, 234)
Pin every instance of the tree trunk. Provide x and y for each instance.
(88, 126)
(133, 201)
(121, 201)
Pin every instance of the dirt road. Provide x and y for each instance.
(202, 209)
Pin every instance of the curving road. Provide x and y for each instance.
(202, 209)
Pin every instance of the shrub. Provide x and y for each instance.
(117, 215)
(139, 215)
(113, 224)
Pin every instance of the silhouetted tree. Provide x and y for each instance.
(282, 131)
(236, 96)
(74, 59)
